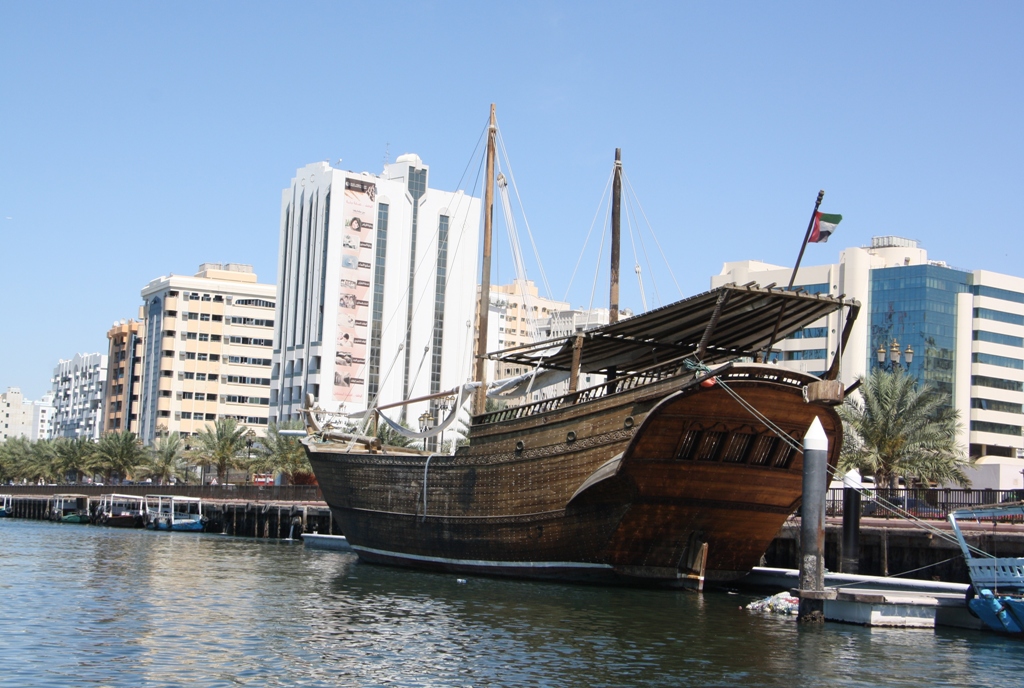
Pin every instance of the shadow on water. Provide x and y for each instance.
(88, 605)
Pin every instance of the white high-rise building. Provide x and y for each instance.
(79, 386)
(42, 418)
(376, 289)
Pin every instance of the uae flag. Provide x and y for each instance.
(824, 225)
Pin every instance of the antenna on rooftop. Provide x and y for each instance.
(387, 153)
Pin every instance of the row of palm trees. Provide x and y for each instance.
(120, 455)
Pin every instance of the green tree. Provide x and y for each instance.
(40, 462)
(72, 455)
(166, 459)
(391, 437)
(897, 430)
(221, 445)
(119, 452)
(15, 458)
(284, 454)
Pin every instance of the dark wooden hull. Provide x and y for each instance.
(121, 521)
(669, 483)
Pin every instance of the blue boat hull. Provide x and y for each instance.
(1003, 614)
(184, 525)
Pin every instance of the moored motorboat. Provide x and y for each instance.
(6, 506)
(68, 508)
(167, 512)
(120, 511)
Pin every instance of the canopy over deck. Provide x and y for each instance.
(717, 326)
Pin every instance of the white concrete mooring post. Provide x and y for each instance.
(812, 525)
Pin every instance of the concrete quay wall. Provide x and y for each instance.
(894, 547)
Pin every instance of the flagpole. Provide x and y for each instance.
(792, 278)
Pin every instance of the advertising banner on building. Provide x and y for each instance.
(354, 293)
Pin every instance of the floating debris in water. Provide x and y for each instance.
(782, 603)
(460, 581)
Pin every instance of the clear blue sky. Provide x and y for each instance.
(141, 139)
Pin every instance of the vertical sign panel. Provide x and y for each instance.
(354, 295)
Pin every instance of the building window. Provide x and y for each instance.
(997, 383)
(998, 428)
(997, 338)
(994, 405)
(1003, 361)
(998, 316)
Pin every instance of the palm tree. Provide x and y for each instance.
(166, 459)
(283, 454)
(73, 455)
(119, 452)
(15, 455)
(898, 430)
(40, 462)
(390, 437)
(221, 445)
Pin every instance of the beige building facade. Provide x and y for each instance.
(124, 373)
(207, 350)
(20, 417)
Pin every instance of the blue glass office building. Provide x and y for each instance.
(916, 306)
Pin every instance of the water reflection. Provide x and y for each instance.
(91, 605)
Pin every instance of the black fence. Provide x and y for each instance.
(252, 493)
(922, 503)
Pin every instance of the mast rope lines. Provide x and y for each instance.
(633, 224)
(896, 509)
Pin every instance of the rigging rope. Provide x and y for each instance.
(654, 236)
(896, 509)
(586, 241)
(526, 221)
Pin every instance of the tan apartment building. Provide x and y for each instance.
(207, 350)
(124, 374)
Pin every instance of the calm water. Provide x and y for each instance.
(83, 605)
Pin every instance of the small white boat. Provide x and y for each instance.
(997, 581)
(166, 512)
(6, 506)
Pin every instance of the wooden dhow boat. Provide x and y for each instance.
(680, 466)
(671, 473)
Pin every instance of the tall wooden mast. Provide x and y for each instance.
(613, 301)
(480, 399)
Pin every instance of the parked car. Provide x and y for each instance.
(912, 505)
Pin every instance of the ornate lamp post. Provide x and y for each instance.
(893, 352)
(443, 405)
(426, 422)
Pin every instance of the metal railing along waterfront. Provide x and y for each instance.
(923, 503)
(261, 493)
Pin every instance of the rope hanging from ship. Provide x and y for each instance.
(699, 367)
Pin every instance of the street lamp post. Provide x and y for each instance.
(249, 438)
(443, 405)
(893, 352)
(426, 422)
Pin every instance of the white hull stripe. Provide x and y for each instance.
(487, 564)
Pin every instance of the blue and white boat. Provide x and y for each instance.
(6, 506)
(166, 512)
(998, 581)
